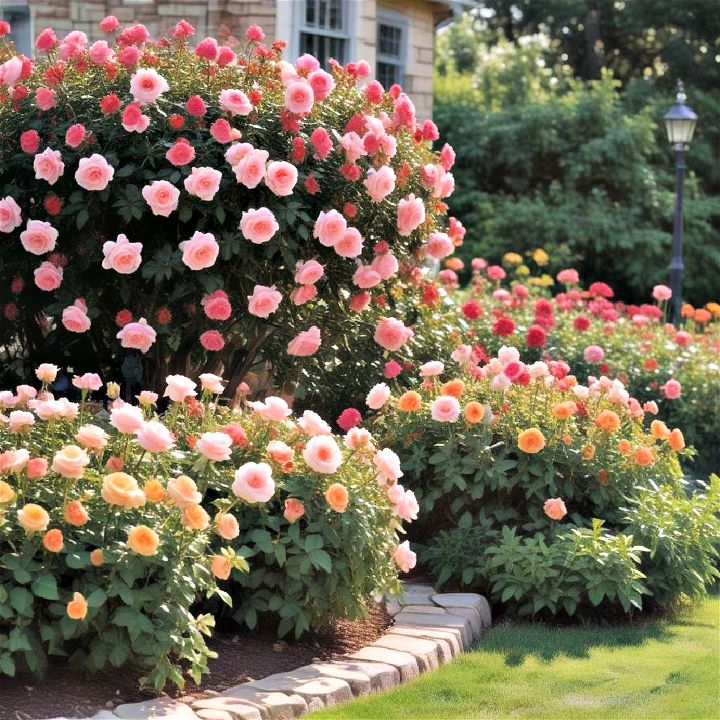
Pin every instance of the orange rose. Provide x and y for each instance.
(75, 513)
(455, 388)
(563, 410)
(607, 420)
(337, 497)
(77, 608)
(6, 492)
(154, 491)
(143, 540)
(122, 489)
(588, 452)
(227, 526)
(603, 477)
(567, 439)
(644, 456)
(659, 430)
(410, 402)
(702, 315)
(33, 518)
(183, 491)
(53, 540)
(474, 412)
(194, 517)
(221, 567)
(531, 441)
(624, 447)
(97, 557)
(676, 440)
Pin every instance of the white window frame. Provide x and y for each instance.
(13, 6)
(395, 19)
(291, 13)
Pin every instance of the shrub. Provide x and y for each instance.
(224, 173)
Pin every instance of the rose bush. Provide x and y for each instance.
(115, 522)
(194, 207)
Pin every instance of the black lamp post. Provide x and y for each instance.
(680, 123)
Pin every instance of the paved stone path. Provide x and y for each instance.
(430, 629)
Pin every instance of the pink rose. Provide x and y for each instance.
(385, 265)
(212, 383)
(214, 446)
(154, 437)
(404, 557)
(294, 509)
(661, 293)
(109, 24)
(133, 119)
(212, 341)
(322, 84)
(280, 452)
(48, 165)
(281, 177)
(392, 369)
(127, 419)
(70, 462)
(568, 277)
(203, 182)
(253, 482)
(48, 276)
(10, 71)
(75, 318)
(357, 438)
(353, 146)
(431, 369)
(45, 98)
(350, 245)
(445, 408)
(407, 508)
(410, 214)
(10, 214)
(312, 424)
(137, 335)
(147, 397)
(237, 151)
(360, 301)
(387, 463)
(496, 273)
(593, 354)
(299, 97)
(181, 153)
(122, 256)
(439, 245)
(303, 294)
(555, 508)
(377, 397)
(217, 305)
(75, 135)
(46, 40)
(94, 172)
(380, 183)
(274, 409)
(329, 227)
(200, 251)
(308, 272)
(365, 277)
(391, 334)
(258, 226)
(672, 389)
(162, 197)
(264, 301)
(19, 420)
(235, 102)
(179, 387)
(322, 454)
(92, 436)
(250, 169)
(100, 52)
(147, 85)
(305, 343)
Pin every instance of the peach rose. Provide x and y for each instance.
(258, 226)
(147, 85)
(555, 508)
(236, 102)
(127, 419)
(179, 388)
(53, 540)
(391, 334)
(227, 526)
(322, 454)
(162, 197)
(264, 301)
(280, 452)
(294, 509)
(531, 441)
(97, 558)
(121, 489)
(253, 482)
(137, 335)
(281, 177)
(143, 540)
(195, 517)
(214, 446)
(676, 440)
(404, 557)
(94, 173)
(10, 214)
(154, 437)
(19, 420)
(337, 497)
(39, 237)
(33, 518)
(221, 567)
(212, 383)
(48, 165)
(75, 513)
(203, 182)
(70, 462)
(48, 276)
(92, 436)
(200, 251)
(7, 494)
(251, 167)
(37, 468)
(77, 608)
(305, 343)
(13, 461)
(410, 214)
(122, 255)
(154, 490)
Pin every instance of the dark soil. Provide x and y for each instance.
(241, 657)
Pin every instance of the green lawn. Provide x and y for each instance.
(663, 669)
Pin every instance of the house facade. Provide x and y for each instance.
(395, 36)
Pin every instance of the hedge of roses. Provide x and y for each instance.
(168, 207)
(537, 489)
(118, 526)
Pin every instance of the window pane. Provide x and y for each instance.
(336, 15)
(388, 74)
(19, 19)
(310, 12)
(389, 40)
(323, 47)
(322, 13)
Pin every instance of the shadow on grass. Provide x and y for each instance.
(517, 641)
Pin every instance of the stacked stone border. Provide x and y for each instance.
(429, 630)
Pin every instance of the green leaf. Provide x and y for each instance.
(45, 586)
(21, 600)
(321, 559)
(81, 219)
(96, 598)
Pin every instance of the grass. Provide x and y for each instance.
(664, 669)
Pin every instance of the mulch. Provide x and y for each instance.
(241, 657)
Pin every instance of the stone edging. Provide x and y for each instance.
(430, 629)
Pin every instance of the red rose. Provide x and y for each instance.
(536, 337)
(472, 310)
(349, 418)
(581, 323)
(504, 326)
(110, 104)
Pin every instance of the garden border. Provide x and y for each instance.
(429, 630)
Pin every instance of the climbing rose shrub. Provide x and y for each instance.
(115, 521)
(197, 208)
